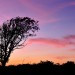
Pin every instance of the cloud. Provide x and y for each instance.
(32, 6)
(48, 20)
(43, 13)
(64, 57)
(63, 5)
(4, 17)
(55, 42)
(69, 37)
(61, 57)
(49, 41)
(72, 49)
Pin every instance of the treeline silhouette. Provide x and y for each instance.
(42, 68)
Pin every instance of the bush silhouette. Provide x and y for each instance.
(44, 68)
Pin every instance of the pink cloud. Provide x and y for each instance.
(72, 49)
(35, 7)
(64, 57)
(49, 41)
(69, 37)
(42, 13)
(63, 5)
(4, 17)
(72, 3)
(55, 42)
(49, 20)
(61, 57)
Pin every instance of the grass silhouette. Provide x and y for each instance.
(42, 68)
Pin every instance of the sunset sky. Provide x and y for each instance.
(55, 41)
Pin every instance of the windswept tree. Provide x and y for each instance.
(13, 34)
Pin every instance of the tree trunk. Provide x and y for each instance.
(3, 64)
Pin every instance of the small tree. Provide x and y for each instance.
(13, 34)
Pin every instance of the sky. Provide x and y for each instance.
(55, 41)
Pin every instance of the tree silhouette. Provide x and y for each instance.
(13, 33)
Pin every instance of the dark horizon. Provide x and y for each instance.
(43, 68)
(40, 62)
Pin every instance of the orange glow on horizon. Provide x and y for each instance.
(33, 59)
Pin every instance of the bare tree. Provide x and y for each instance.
(13, 33)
